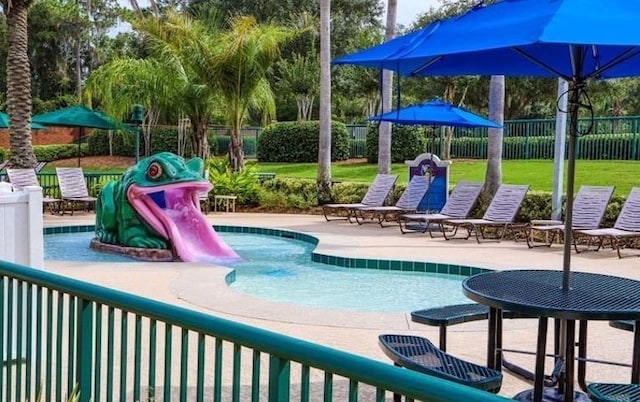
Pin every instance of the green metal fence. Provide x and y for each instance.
(615, 138)
(59, 335)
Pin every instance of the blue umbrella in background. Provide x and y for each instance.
(437, 113)
(576, 40)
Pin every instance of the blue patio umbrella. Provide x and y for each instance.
(576, 40)
(437, 113)
(4, 122)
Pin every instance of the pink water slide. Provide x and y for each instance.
(178, 219)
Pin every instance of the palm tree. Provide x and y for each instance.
(324, 145)
(384, 130)
(234, 64)
(122, 83)
(494, 144)
(19, 84)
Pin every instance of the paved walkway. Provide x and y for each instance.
(199, 287)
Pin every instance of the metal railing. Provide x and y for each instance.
(616, 138)
(59, 336)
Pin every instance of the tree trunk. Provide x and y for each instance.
(384, 131)
(19, 86)
(199, 141)
(323, 180)
(236, 152)
(494, 144)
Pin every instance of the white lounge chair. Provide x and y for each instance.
(500, 215)
(21, 178)
(625, 229)
(458, 206)
(375, 197)
(73, 189)
(589, 208)
(407, 203)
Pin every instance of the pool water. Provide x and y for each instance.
(280, 269)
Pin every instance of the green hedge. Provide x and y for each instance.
(49, 153)
(406, 143)
(297, 142)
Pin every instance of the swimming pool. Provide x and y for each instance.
(281, 269)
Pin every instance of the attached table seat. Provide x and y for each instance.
(419, 354)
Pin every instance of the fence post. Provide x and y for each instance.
(279, 379)
(634, 139)
(84, 356)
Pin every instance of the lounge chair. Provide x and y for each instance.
(21, 178)
(625, 229)
(500, 215)
(458, 206)
(39, 166)
(375, 197)
(407, 203)
(73, 189)
(589, 207)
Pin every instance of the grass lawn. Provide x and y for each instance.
(537, 173)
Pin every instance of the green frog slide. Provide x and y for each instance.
(155, 205)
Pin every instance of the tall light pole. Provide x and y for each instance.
(137, 117)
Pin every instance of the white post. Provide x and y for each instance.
(22, 243)
(36, 223)
(558, 152)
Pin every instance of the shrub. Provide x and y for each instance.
(48, 153)
(290, 193)
(243, 184)
(407, 142)
(122, 143)
(297, 142)
(349, 192)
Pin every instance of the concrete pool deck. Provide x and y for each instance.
(202, 287)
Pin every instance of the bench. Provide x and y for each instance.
(456, 314)
(262, 176)
(607, 392)
(228, 201)
(419, 354)
(625, 325)
(604, 392)
(444, 316)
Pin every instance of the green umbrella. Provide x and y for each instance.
(4, 122)
(78, 116)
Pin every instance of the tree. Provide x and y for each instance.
(324, 146)
(299, 77)
(493, 177)
(19, 84)
(121, 83)
(233, 63)
(384, 129)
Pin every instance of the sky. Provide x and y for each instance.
(408, 10)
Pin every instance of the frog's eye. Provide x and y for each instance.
(154, 171)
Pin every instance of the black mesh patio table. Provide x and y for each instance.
(539, 293)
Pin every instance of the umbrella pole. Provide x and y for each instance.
(80, 144)
(574, 97)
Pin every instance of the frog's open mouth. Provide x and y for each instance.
(173, 211)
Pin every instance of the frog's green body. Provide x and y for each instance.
(118, 222)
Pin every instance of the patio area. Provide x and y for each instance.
(198, 287)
